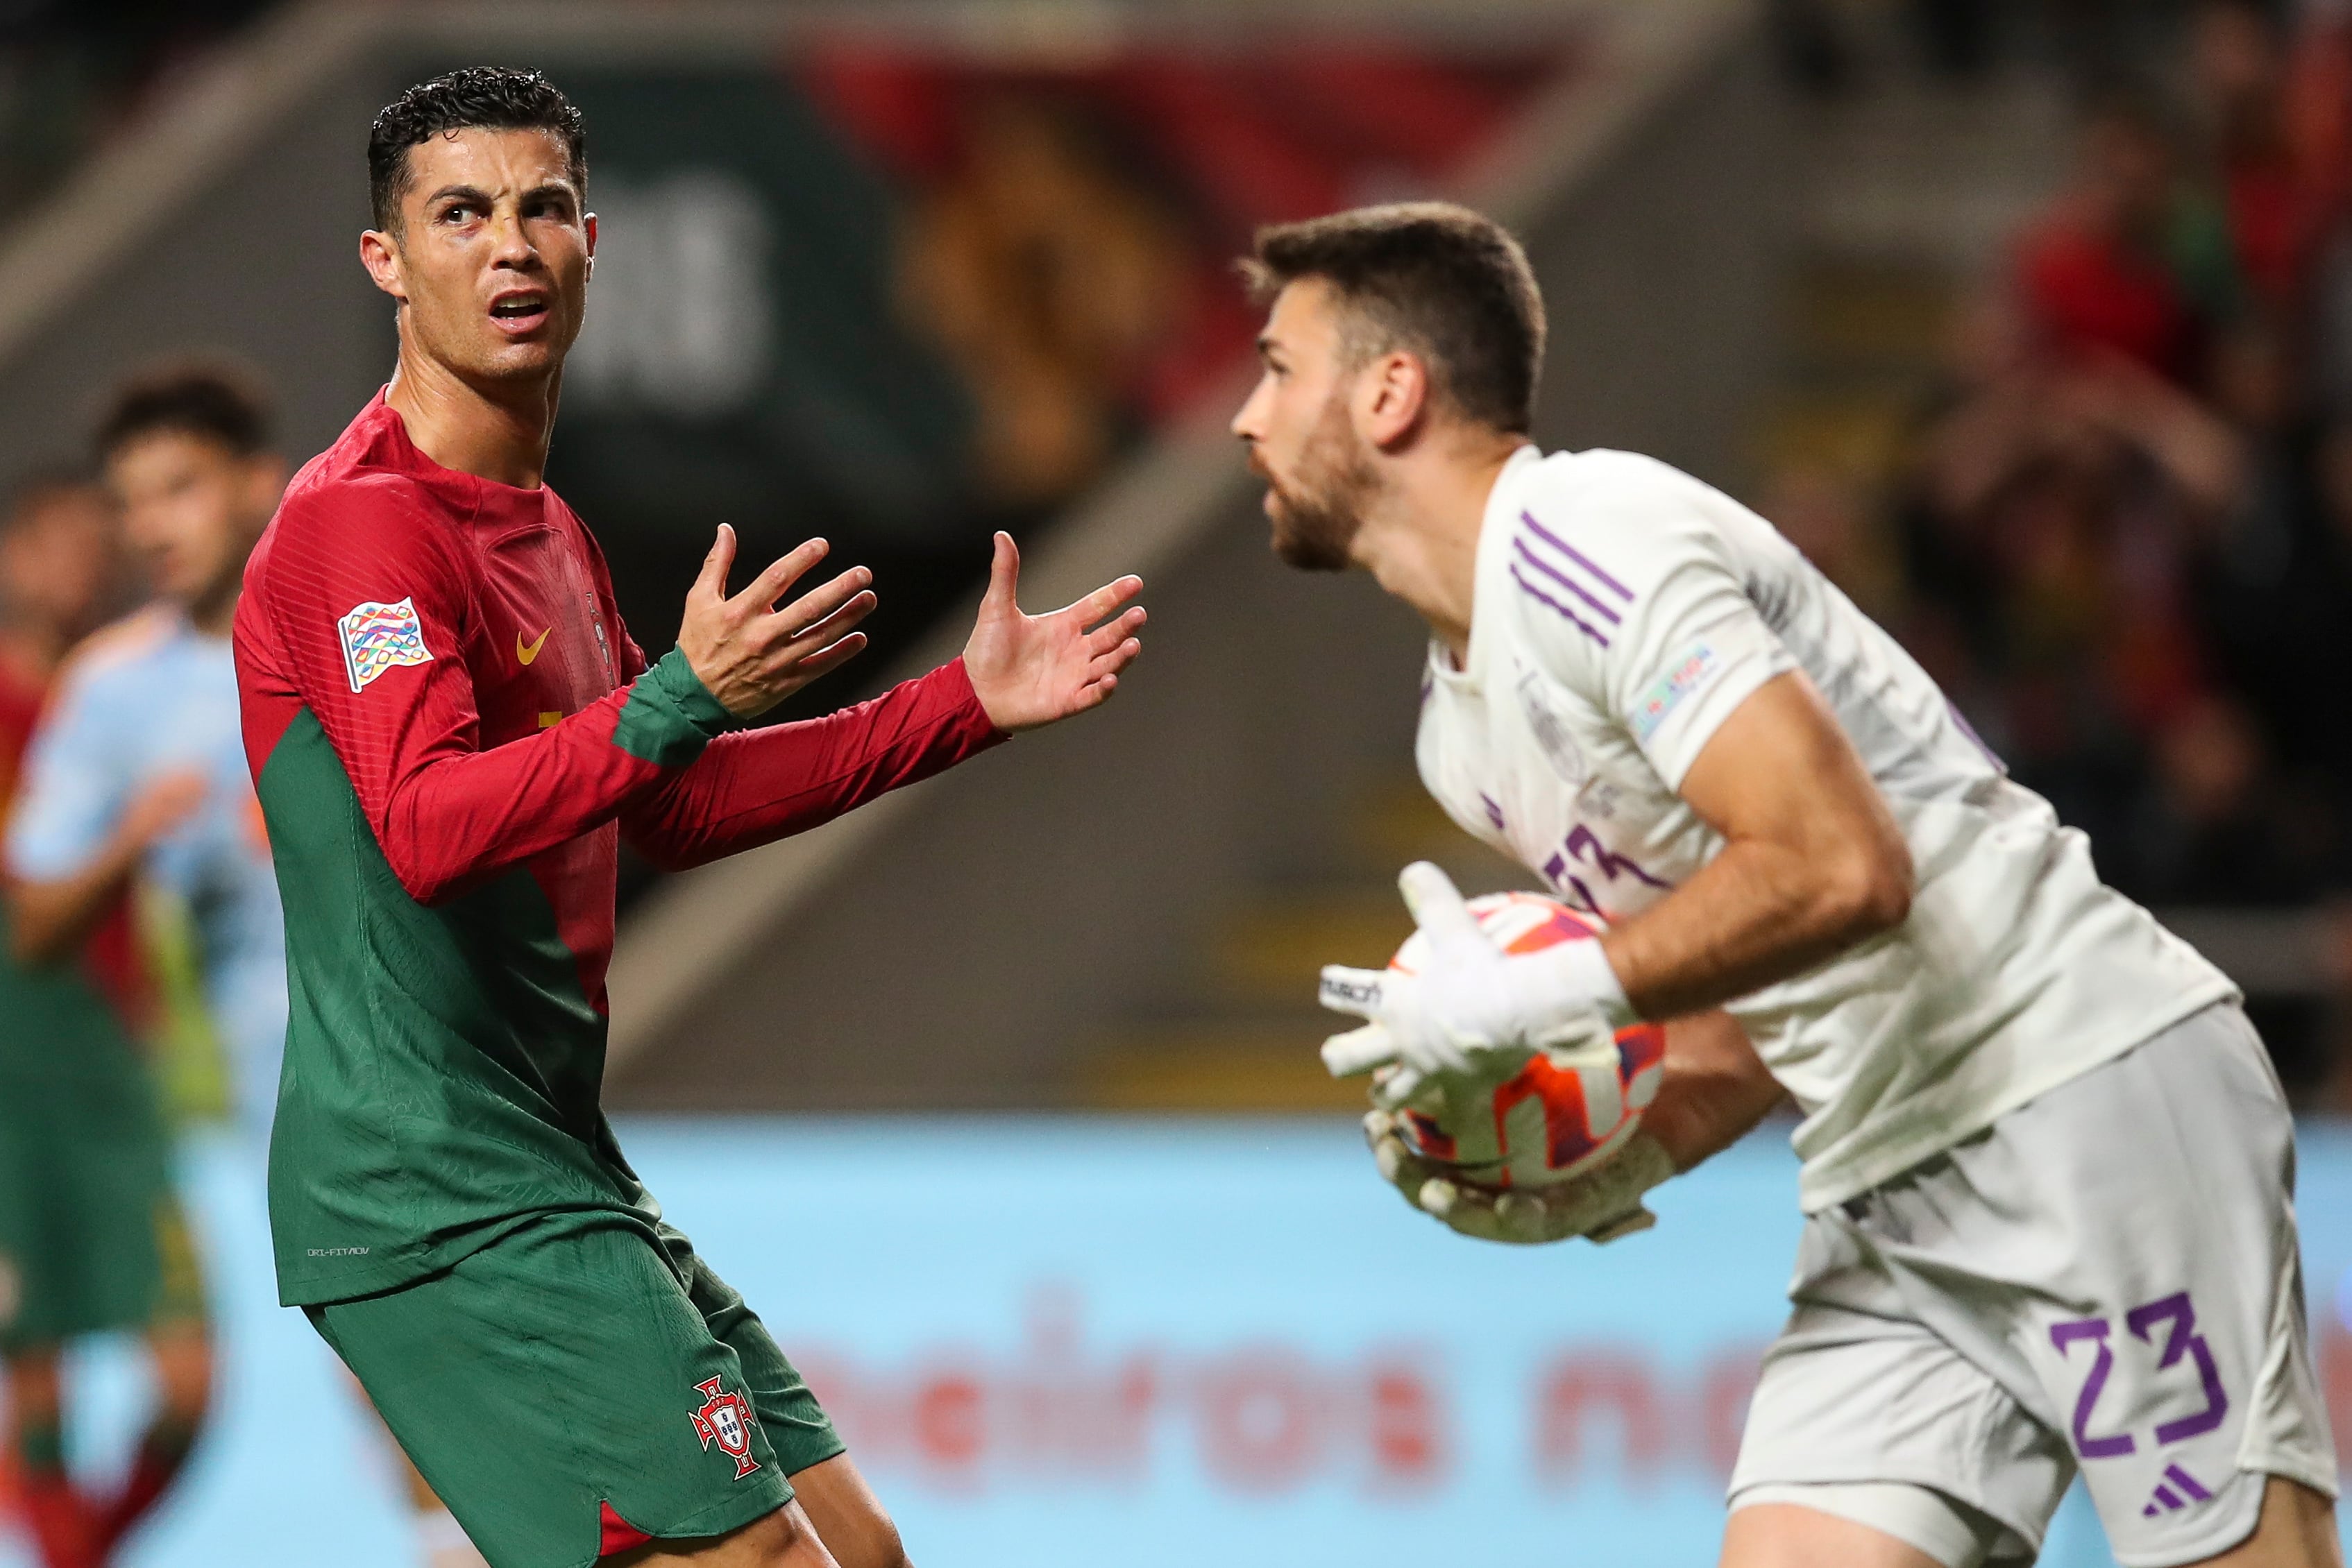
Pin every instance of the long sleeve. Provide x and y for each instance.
(360, 613)
(749, 789)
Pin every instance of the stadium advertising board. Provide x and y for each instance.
(1085, 1342)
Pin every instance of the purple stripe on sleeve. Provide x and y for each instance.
(1532, 592)
(1572, 553)
(1566, 581)
(2186, 1483)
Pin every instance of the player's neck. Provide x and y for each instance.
(498, 433)
(1419, 535)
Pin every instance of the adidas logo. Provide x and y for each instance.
(2168, 1500)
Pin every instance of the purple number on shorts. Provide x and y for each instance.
(2183, 1340)
(2094, 1330)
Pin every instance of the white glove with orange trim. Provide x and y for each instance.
(1470, 1011)
(1600, 1205)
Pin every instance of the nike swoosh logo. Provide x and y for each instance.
(526, 652)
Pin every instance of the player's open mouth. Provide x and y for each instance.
(517, 315)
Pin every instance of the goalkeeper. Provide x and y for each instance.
(2047, 1171)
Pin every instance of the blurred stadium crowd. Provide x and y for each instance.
(2128, 534)
(2120, 531)
(73, 71)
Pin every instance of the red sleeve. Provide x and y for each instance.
(757, 785)
(366, 612)
(765, 784)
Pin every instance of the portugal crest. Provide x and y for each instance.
(726, 1419)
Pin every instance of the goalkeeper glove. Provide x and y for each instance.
(1602, 1204)
(1470, 1011)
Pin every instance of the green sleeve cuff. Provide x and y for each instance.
(670, 714)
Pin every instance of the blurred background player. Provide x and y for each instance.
(147, 716)
(147, 710)
(2034, 1119)
(91, 1238)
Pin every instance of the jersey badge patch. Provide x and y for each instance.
(726, 1419)
(377, 637)
(1690, 672)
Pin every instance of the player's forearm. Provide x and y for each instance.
(1715, 1090)
(49, 921)
(452, 820)
(460, 821)
(752, 788)
(1758, 914)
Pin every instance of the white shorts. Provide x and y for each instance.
(2107, 1280)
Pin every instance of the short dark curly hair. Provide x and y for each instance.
(494, 97)
(213, 400)
(1449, 284)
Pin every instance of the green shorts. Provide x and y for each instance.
(91, 1237)
(578, 1367)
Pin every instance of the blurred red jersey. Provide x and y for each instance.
(112, 959)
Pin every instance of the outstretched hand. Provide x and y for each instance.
(1031, 670)
(751, 655)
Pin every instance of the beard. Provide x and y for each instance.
(1318, 510)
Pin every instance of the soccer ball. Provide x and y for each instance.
(1548, 1122)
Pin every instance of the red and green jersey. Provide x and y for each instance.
(450, 734)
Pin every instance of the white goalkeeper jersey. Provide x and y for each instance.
(1623, 610)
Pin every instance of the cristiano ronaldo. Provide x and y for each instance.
(450, 734)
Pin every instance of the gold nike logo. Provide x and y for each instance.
(526, 652)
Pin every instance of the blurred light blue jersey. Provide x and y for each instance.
(148, 697)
